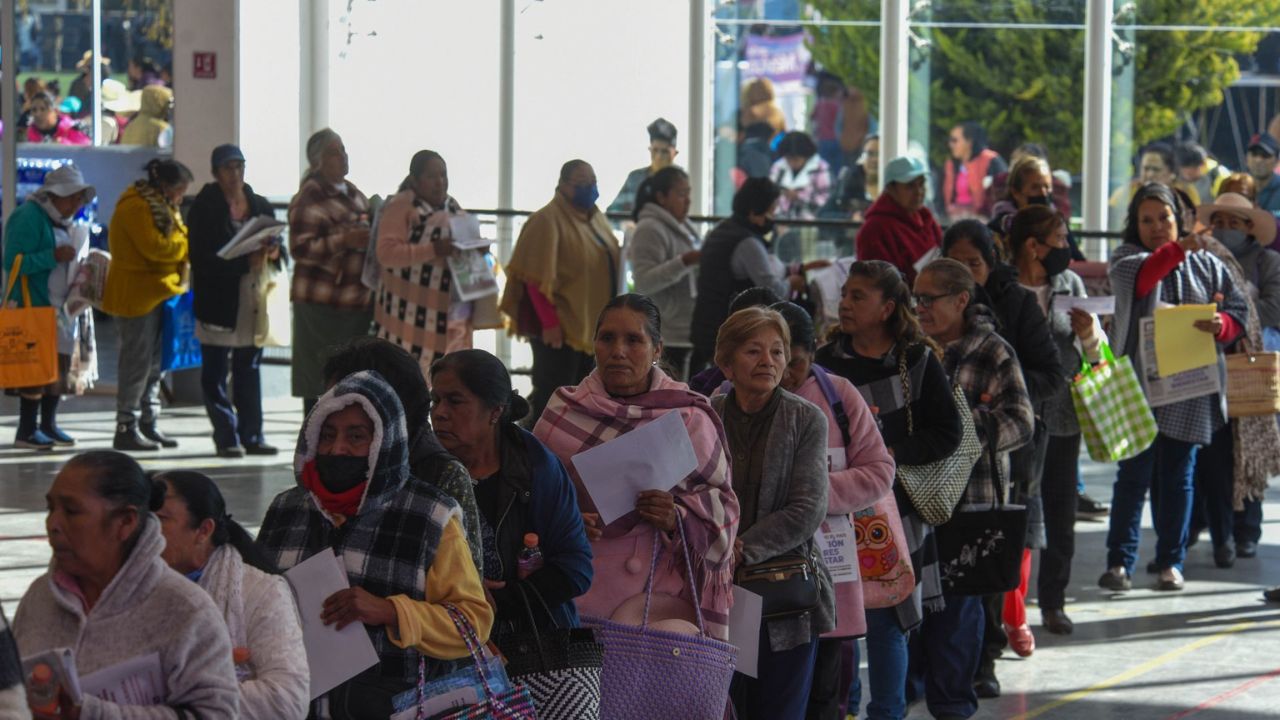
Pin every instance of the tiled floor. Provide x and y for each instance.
(1211, 652)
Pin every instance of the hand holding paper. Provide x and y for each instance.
(655, 456)
(335, 656)
(1180, 345)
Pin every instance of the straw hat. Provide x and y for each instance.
(1264, 223)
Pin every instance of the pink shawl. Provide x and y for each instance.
(581, 417)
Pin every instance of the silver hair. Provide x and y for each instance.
(316, 145)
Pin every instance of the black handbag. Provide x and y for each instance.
(787, 584)
(980, 551)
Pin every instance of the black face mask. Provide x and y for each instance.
(339, 473)
(1056, 261)
(1040, 200)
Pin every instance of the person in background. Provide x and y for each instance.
(328, 238)
(109, 594)
(899, 229)
(228, 299)
(566, 265)
(429, 461)
(521, 488)
(82, 87)
(143, 72)
(399, 538)
(37, 230)
(202, 542)
(50, 125)
(1240, 183)
(859, 472)
(148, 244)
(802, 176)
(415, 296)
(1261, 161)
(1161, 261)
(662, 153)
(1028, 182)
(664, 256)
(150, 127)
(855, 123)
(118, 104)
(986, 368)
(968, 171)
(878, 344)
(778, 446)
(1061, 187)
(759, 105)
(1199, 169)
(1157, 163)
(31, 87)
(826, 121)
(856, 186)
(627, 390)
(711, 379)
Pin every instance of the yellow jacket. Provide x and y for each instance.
(147, 267)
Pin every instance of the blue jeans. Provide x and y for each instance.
(886, 666)
(1168, 469)
(782, 688)
(243, 424)
(945, 653)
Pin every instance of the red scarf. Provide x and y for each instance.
(341, 503)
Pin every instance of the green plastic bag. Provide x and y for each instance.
(1115, 420)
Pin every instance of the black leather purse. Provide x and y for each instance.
(787, 583)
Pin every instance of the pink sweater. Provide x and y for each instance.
(867, 477)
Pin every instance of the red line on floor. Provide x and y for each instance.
(1216, 699)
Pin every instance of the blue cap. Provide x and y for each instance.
(1265, 143)
(224, 154)
(904, 169)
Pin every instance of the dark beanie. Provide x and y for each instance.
(756, 195)
(660, 129)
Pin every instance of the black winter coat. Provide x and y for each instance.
(216, 282)
(1024, 326)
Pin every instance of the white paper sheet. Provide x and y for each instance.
(1170, 389)
(466, 232)
(654, 456)
(136, 681)
(335, 656)
(744, 629)
(839, 547)
(253, 235)
(1099, 305)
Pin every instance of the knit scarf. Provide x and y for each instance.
(162, 211)
(344, 503)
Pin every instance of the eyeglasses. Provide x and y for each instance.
(927, 301)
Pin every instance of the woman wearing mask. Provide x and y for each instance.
(1030, 182)
(879, 342)
(521, 488)
(202, 542)
(986, 369)
(1159, 262)
(416, 294)
(328, 238)
(664, 258)
(628, 390)
(228, 298)
(778, 445)
(148, 244)
(109, 594)
(859, 473)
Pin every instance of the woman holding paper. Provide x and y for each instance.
(627, 390)
(227, 299)
(778, 443)
(1162, 263)
(109, 595)
(399, 538)
(416, 297)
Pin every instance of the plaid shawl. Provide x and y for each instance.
(388, 546)
(581, 417)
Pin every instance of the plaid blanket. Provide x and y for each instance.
(579, 418)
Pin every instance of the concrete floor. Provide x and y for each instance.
(1211, 652)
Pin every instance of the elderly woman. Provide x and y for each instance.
(202, 542)
(627, 390)
(778, 443)
(1159, 262)
(399, 539)
(664, 256)
(415, 297)
(328, 238)
(986, 369)
(38, 231)
(109, 594)
(228, 298)
(521, 489)
(48, 125)
(1029, 182)
(148, 244)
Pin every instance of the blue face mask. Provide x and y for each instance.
(1237, 241)
(585, 196)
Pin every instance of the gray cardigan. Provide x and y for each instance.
(656, 248)
(792, 504)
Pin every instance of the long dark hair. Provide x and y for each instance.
(977, 137)
(204, 502)
(903, 325)
(1150, 191)
(417, 166)
(120, 480)
(165, 174)
(485, 377)
(400, 369)
(659, 182)
(978, 235)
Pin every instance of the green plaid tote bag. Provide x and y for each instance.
(1115, 420)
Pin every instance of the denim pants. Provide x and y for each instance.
(1168, 469)
(782, 688)
(243, 424)
(886, 665)
(138, 388)
(944, 657)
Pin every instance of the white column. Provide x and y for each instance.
(205, 110)
(699, 145)
(1099, 23)
(8, 98)
(894, 60)
(97, 74)
(506, 147)
(314, 98)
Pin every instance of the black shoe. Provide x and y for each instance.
(1193, 536)
(1247, 549)
(128, 440)
(152, 433)
(987, 688)
(1115, 579)
(231, 451)
(260, 449)
(1224, 556)
(1272, 595)
(1089, 509)
(1057, 622)
(1153, 568)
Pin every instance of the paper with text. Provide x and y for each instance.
(136, 681)
(839, 546)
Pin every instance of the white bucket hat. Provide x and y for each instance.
(117, 98)
(65, 181)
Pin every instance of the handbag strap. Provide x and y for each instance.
(993, 458)
(905, 376)
(468, 634)
(688, 564)
(533, 624)
(13, 279)
(833, 399)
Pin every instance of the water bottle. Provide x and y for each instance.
(529, 560)
(42, 690)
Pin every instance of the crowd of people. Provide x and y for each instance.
(135, 111)
(420, 466)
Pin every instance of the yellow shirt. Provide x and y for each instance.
(147, 267)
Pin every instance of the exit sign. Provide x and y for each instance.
(205, 65)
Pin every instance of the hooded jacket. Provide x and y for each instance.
(149, 125)
(146, 608)
(404, 543)
(656, 251)
(900, 238)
